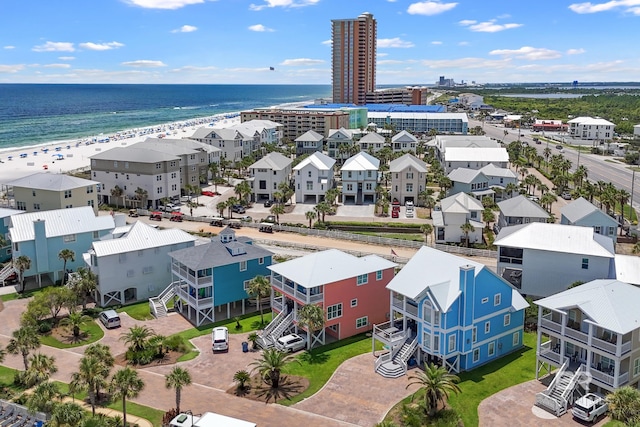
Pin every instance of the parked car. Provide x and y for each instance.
(566, 196)
(559, 147)
(291, 343)
(220, 339)
(170, 207)
(208, 193)
(133, 213)
(155, 216)
(234, 223)
(176, 217)
(217, 221)
(268, 203)
(270, 218)
(246, 218)
(238, 209)
(589, 407)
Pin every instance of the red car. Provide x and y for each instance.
(208, 193)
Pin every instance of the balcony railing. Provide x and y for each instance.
(576, 335)
(197, 303)
(292, 291)
(546, 352)
(551, 325)
(388, 333)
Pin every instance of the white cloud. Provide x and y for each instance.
(163, 4)
(100, 46)
(10, 69)
(429, 8)
(301, 62)
(436, 42)
(189, 68)
(528, 53)
(630, 6)
(463, 43)
(381, 54)
(487, 26)
(575, 51)
(57, 66)
(260, 28)
(283, 3)
(66, 58)
(54, 47)
(389, 61)
(247, 70)
(327, 42)
(185, 29)
(467, 63)
(394, 42)
(144, 63)
(9, 47)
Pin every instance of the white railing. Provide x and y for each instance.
(544, 398)
(550, 325)
(626, 347)
(292, 290)
(567, 393)
(603, 345)
(602, 377)
(576, 335)
(548, 402)
(388, 333)
(382, 359)
(552, 355)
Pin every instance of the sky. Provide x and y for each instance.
(238, 41)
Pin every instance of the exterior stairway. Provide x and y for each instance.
(158, 305)
(559, 395)
(393, 364)
(6, 271)
(274, 330)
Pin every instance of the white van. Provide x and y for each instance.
(220, 339)
(110, 319)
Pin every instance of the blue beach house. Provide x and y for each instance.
(5, 221)
(210, 280)
(450, 311)
(41, 236)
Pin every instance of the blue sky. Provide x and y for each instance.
(236, 41)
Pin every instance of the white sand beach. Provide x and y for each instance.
(62, 157)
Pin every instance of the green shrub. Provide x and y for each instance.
(44, 327)
(142, 357)
(176, 343)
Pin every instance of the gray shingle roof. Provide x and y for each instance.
(464, 175)
(51, 181)
(372, 137)
(310, 135)
(216, 254)
(404, 136)
(133, 154)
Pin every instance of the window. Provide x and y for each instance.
(243, 265)
(362, 322)
(474, 334)
(33, 192)
(68, 206)
(379, 275)
(158, 177)
(452, 343)
(516, 338)
(409, 175)
(485, 300)
(96, 234)
(90, 189)
(69, 238)
(354, 302)
(260, 261)
(409, 187)
(491, 349)
(363, 279)
(67, 194)
(122, 258)
(487, 327)
(636, 367)
(476, 355)
(585, 263)
(426, 340)
(334, 311)
(147, 270)
(245, 285)
(309, 185)
(36, 206)
(507, 319)
(496, 299)
(115, 164)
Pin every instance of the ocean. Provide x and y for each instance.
(34, 114)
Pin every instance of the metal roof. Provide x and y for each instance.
(319, 160)
(346, 133)
(361, 162)
(4, 212)
(581, 208)
(556, 238)
(609, 303)
(464, 175)
(216, 254)
(134, 154)
(272, 161)
(141, 236)
(521, 206)
(405, 161)
(493, 170)
(59, 222)
(628, 269)
(404, 136)
(476, 154)
(51, 181)
(371, 137)
(460, 203)
(310, 135)
(329, 266)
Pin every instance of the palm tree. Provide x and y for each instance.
(66, 255)
(624, 405)
(310, 215)
(466, 229)
(117, 192)
(92, 373)
(322, 209)
(510, 188)
(103, 353)
(177, 379)
(429, 203)
(488, 216)
(259, 287)
(437, 384)
(331, 195)
(23, 341)
(66, 414)
(40, 369)
(270, 366)
(214, 169)
(277, 210)
(242, 189)
(22, 263)
(141, 194)
(623, 198)
(125, 384)
(42, 398)
(231, 201)
(426, 229)
(84, 283)
(241, 378)
(220, 207)
(311, 317)
(137, 337)
(75, 320)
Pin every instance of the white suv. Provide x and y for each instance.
(589, 407)
(291, 343)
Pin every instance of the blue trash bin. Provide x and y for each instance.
(245, 346)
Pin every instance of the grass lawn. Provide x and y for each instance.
(248, 322)
(400, 236)
(320, 363)
(9, 297)
(477, 385)
(139, 311)
(613, 423)
(92, 331)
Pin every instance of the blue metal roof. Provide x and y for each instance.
(391, 108)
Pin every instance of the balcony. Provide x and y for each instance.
(410, 307)
(388, 333)
(608, 379)
(183, 273)
(575, 334)
(198, 303)
(548, 323)
(552, 356)
(292, 290)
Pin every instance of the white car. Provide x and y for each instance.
(291, 343)
(589, 407)
(220, 339)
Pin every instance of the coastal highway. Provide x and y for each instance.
(603, 168)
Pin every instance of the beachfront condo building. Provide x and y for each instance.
(45, 191)
(353, 58)
(296, 122)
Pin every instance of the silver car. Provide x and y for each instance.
(291, 343)
(589, 407)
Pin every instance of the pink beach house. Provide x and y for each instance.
(351, 290)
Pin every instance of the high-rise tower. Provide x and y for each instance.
(353, 58)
